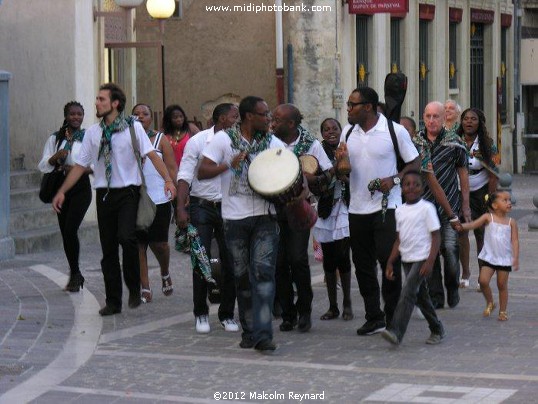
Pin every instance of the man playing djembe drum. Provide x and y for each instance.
(292, 264)
(251, 233)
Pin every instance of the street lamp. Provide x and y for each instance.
(161, 9)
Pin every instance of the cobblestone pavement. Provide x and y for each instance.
(54, 347)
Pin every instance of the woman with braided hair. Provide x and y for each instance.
(59, 153)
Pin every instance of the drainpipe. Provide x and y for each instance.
(517, 81)
(279, 53)
(290, 73)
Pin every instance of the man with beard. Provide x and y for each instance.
(375, 193)
(292, 264)
(251, 232)
(108, 146)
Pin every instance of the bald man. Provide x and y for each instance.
(443, 154)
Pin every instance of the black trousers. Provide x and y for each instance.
(76, 203)
(292, 268)
(371, 241)
(116, 216)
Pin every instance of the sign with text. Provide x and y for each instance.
(378, 6)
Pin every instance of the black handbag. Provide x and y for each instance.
(50, 184)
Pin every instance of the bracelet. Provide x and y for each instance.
(172, 181)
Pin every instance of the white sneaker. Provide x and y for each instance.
(202, 324)
(230, 325)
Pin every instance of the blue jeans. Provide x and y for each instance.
(451, 254)
(253, 245)
(414, 291)
(206, 217)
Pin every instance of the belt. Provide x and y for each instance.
(205, 202)
(474, 172)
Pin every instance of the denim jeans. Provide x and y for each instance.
(206, 217)
(451, 257)
(414, 291)
(371, 239)
(253, 245)
(292, 267)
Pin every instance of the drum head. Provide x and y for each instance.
(273, 171)
(309, 164)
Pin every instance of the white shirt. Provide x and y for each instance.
(190, 162)
(476, 181)
(316, 150)
(415, 224)
(239, 201)
(125, 170)
(50, 149)
(372, 156)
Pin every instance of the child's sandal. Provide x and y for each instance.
(489, 308)
(503, 316)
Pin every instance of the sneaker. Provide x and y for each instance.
(265, 345)
(202, 324)
(371, 327)
(230, 325)
(435, 339)
(389, 336)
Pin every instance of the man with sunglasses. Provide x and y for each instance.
(375, 193)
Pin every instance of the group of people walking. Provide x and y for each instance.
(362, 173)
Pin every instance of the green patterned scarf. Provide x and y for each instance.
(260, 142)
(305, 142)
(446, 138)
(105, 149)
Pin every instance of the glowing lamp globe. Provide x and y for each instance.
(161, 9)
(129, 3)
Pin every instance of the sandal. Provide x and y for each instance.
(464, 283)
(145, 295)
(168, 289)
(489, 308)
(347, 314)
(503, 316)
(330, 314)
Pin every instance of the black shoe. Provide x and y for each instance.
(265, 345)
(371, 327)
(76, 282)
(246, 343)
(287, 325)
(305, 323)
(134, 300)
(452, 298)
(109, 311)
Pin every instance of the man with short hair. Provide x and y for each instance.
(375, 193)
(443, 153)
(204, 212)
(117, 179)
(251, 232)
(292, 264)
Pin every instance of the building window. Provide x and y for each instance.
(453, 55)
(504, 107)
(477, 65)
(362, 50)
(395, 65)
(423, 79)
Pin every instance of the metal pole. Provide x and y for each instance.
(517, 81)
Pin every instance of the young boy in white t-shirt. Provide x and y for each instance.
(417, 242)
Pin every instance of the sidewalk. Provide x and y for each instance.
(54, 347)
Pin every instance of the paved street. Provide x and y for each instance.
(54, 347)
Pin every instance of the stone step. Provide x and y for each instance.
(26, 198)
(22, 179)
(49, 238)
(23, 219)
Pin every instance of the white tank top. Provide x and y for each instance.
(154, 181)
(497, 248)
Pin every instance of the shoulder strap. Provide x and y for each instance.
(157, 140)
(136, 151)
(399, 161)
(349, 132)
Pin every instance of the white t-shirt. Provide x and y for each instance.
(190, 162)
(316, 150)
(372, 156)
(239, 201)
(415, 223)
(50, 149)
(125, 170)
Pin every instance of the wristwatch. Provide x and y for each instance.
(396, 180)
